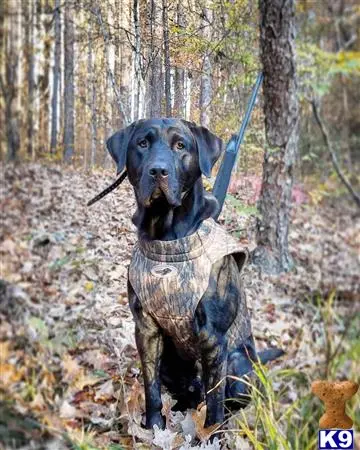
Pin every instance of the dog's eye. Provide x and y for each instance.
(143, 143)
(179, 145)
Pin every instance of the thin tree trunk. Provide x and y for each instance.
(29, 15)
(107, 158)
(179, 73)
(155, 79)
(9, 82)
(44, 81)
(167, 64)
(137, 59)
(277, 39)
(56, 77)
(91, 85)
(205, 84)
(68, 84)
(116, 115)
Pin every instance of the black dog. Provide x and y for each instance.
(165, 159)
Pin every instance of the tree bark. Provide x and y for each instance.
(277, 39)
(56, 77)
(68, 84)
(167, 64)
(179, 73)
(44, 81)
(9, 81)
(155, 80)
(205, 83)
(137, 59)
(29, 16)
(91, 85)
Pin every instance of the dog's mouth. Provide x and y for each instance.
(162, 194)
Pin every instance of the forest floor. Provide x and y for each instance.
(70, 373)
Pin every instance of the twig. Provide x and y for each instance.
(325, 135)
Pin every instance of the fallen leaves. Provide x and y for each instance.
(67, 350)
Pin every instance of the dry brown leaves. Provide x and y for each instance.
(68, 356)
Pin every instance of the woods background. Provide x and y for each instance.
(72, 72)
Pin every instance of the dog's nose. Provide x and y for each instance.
(158, 172)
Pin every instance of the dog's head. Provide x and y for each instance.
(164, 157)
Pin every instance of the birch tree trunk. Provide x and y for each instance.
(205, 83)
(277, 39)
(56, 77)
(167, 64)
(68, 84)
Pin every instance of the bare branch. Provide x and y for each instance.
(328, 143)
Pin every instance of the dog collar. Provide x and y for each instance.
(179, 250)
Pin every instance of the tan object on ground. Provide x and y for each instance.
(334, 394)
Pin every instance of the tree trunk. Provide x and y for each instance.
(179, 73)
(137, 59)
(116, 115)
(9, 80)
(155, 80)
(29, 16)
(91, 85)
(68, 84)
(167, 65)
(205, 83)
(277, 38)
(56, 77)
(44, 81)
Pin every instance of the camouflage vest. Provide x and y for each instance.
(170, 277)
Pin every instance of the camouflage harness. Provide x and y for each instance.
(170, 278)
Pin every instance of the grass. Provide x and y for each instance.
(287, 418)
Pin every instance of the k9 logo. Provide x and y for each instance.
(336, 439)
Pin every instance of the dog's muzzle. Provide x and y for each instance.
(159, 183)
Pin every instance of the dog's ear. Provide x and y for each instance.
(209, 147)
(117, 144)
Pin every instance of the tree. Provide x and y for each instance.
(91, 86)
(56, 78)
(9, 81)
(167, 65)
(179, 72)
(205, 86)
(155, 78)
(45, 78)
(28, 16)
(277, 37)
(69, 103)
(137, 59)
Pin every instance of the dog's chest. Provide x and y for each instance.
(170, 277)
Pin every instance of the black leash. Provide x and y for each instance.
(110, 188)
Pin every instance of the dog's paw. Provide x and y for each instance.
(155, 419)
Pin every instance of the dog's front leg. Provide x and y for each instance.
(214, 364)
(149, 342)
